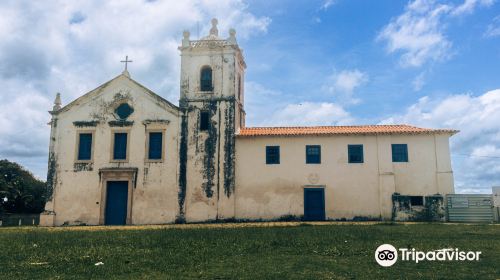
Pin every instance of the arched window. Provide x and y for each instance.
(206, 79)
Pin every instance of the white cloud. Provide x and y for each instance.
(267, 107)
(343, 84)
(486, 151)
(260, 101)
(419, 82)
(418, 33)
(23, 125)
(316, 19)
(309, 113)
(73, 46)
(469, 5)
(327, 4)
(476, 149)
(348, 80)
(493, 29)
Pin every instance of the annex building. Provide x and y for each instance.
(121, 154)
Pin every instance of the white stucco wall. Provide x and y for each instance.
(78, 196)
(351, 189)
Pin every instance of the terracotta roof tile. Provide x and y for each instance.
(340, 130)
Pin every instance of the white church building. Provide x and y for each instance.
(122, 154)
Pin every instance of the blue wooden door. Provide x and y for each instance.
(116, 203)
(314, 204)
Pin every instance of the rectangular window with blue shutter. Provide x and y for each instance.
(399, 153)
(155, 145)
(120, 146)
(85, 146)
(355, 153)
(313, 154)
(272, 154)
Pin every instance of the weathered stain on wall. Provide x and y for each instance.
(182, 165)
(435, 208)
(209, 147)
(432, 210)
(81, 124)
(401, 209)
(120, 123)
(83, 166)
(104, 109)
(52, 162)
(51, 176)
(229, 149)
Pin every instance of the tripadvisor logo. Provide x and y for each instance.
(387, 255)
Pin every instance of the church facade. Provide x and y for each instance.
(121, 154)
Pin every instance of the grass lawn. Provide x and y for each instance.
(300, 251)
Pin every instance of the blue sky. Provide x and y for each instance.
(324, 62)
(306, 44)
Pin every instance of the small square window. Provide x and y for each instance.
(399, 153)
(355, 153)
(313, 154)
(120, 146)
(85, 146)
(417, 200)
(272, 155)
(204, 120)
(155, 145)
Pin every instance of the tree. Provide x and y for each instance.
(24, 192)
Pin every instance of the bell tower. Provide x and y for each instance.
(212, 112)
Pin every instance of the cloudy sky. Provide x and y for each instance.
(325, 62)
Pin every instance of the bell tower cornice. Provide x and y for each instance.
(212, 42)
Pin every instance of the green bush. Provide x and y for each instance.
(25, 193)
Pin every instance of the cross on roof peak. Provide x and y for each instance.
(126, 61)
